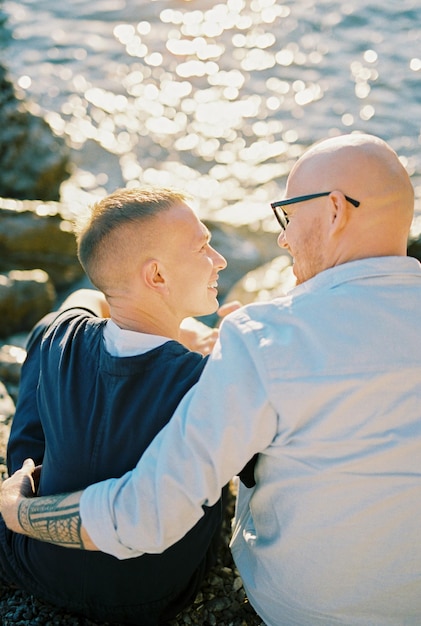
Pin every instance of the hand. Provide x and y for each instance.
(199, 337)
(228, 307)
(22, 484)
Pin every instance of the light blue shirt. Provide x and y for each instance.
(326, 384)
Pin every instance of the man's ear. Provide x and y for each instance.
(152, 274)
(339, 211)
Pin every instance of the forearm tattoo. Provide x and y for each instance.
(52, 519)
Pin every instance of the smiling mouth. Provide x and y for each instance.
(213, 285)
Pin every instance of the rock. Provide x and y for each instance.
(11, 359)
(237, 584)
(414, 247)
(244, 250)
(25, 297)
(33, 160)
(242, 255)
(38, 235)
(7, 411)
(218, 604)
(268, 281)
(12, 355)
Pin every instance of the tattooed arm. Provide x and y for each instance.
(54, 519)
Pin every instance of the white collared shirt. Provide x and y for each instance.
(120, 342)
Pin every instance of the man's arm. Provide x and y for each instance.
(55, 519)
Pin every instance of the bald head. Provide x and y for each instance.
(366, 168)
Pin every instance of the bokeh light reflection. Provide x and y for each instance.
(218, 97)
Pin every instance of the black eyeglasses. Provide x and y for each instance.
(282, 217)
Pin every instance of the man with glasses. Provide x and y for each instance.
(324, 385)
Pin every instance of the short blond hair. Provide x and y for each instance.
(120, 208)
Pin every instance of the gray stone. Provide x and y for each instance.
(25, 297)
(7, 411)
(33, 160)
(268, 281)
(11, 359)
(218, 604)
(243, 250)
(414, 247)
(38, 235)
(7, 407)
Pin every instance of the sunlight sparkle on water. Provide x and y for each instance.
(367, 112)
(415, 64)
(218, 97)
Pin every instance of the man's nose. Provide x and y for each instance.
(220, 261)
(281, 241)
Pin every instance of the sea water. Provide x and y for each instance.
(216, 98)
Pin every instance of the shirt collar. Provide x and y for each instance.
(361, 268)
(121, 343)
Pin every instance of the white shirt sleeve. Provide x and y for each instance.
(219, 425)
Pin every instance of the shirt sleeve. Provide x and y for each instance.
(217, 428)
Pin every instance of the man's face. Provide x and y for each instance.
(190, 264)
(304, 237)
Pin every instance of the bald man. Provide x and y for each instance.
(324, 385)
